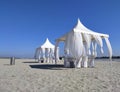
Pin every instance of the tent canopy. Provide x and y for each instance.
(47, 44)
(46, 51)
(83, 30)
(79, 39)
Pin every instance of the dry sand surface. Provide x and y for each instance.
(28, 76)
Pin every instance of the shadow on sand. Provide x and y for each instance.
(7, 64)
(31, 62)
(48, 66)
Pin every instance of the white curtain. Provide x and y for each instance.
(94, 47)
(43, 52)
(74, 44)
(57, 54)
(109, 47)
(66, 48)
(55, 51)
(98, 39)
(52, 52)
(87, 39)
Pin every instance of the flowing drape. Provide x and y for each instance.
(99, 41)
(74, 44)
(87, 39)
(109, 47)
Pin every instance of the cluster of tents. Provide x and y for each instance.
(80, 47)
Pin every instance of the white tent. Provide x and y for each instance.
(78, 43)
(46, 52)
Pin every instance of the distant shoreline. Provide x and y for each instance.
(104, 57)
(15, 58)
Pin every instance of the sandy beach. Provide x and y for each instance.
(29, 76)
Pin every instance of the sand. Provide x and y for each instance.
(28, 76)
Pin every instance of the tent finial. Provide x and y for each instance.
(78, 20)
(78, 24)
(47, 39)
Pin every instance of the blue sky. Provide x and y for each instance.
(25, 24)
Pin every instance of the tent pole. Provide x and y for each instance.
(55, 52)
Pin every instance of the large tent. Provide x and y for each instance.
(81, 44)
(46, 52)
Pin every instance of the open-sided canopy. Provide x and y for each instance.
(47, 44)
(80, 38)
(82, 29)
(46, 51)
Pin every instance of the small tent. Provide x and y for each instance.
(78, 45)
(45, 52)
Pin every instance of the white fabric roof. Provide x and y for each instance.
(82, 29)
(47, 44)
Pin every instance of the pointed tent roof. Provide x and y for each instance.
(82, 29)
(47, 44)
